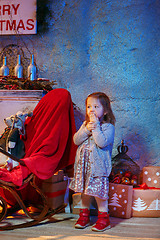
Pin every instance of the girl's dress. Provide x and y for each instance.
(83, 182)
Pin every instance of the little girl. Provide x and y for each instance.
(93, 159)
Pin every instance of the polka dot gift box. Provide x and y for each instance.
(120, 200)
(151, 176)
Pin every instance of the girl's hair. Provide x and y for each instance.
(105, 101)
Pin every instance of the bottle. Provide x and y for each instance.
(18, 68)
(4, 71)
(32, 70)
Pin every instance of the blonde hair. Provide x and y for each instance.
(105, 101)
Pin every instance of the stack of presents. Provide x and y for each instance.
(127, 200)
(132, 192)
(142, 200)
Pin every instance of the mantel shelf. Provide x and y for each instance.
(23, 95)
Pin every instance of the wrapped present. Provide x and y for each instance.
(146, 202)
(55, 193)
(57, 177)
(120, 200)
(151, 176)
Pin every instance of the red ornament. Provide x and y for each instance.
(127, 174)
(125, 181)
(134, 176)
(117, 178)
(134, 182)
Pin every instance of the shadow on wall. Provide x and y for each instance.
(137, 149)
(79, 117)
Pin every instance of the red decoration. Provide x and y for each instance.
(124, 178)
(134, 182)
(127, 174)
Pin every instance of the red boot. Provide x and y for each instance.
(102, 223)
(83, 220)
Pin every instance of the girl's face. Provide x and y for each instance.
(95, 107)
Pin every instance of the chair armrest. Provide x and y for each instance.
(12, 157)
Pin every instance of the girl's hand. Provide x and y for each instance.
(93, 122)
(91, 126)
(93, 118)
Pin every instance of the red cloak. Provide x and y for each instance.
(48, 141)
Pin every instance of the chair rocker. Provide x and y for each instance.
(46, 212)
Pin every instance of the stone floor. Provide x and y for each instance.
(61, 227)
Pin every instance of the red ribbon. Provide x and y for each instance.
(144, 186)
(55, 194)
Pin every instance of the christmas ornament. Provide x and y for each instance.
(125, 180)
(128, 174)
(134, 180)
(117, 179)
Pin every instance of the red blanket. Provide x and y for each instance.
(49, 138)
(49, 135)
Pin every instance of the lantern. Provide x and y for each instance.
(124, 167)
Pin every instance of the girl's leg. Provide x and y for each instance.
(85, 201)
(83, 220)
(102, 204)
(103, 222)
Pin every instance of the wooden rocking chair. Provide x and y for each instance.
(46, 153)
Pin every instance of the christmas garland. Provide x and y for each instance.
(14, 83)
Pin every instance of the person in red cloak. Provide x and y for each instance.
(48, 143)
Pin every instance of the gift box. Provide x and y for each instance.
(55, 193)
(120, 200)
(151, 176)
(146, 203)
(57, 177)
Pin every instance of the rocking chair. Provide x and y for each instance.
(48, 148)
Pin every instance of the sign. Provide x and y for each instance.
(18, 17)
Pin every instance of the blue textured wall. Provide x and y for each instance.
(110, 46)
